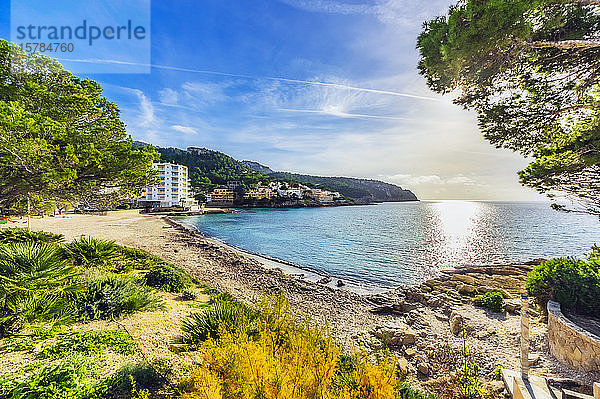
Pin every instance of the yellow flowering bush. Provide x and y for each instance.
(287, 360)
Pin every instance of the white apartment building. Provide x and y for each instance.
(174, 188)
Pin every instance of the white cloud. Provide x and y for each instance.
(147, 118)
(184, 129)
(168, 96)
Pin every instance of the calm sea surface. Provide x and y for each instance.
(398, 243)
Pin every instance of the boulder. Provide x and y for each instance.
(410, 337)
(423, 368)
(512, 305)
(456, 322)
(468, 289)
(435, 302)
(403, 365)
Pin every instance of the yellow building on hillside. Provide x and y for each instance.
(260, 193)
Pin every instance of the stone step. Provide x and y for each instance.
(532, 388)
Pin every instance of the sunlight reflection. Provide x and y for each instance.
(456, 222)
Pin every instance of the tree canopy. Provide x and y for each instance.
(60, 139)
(531, 70)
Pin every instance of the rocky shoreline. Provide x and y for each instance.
(421, 324)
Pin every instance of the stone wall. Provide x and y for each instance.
(570, 343)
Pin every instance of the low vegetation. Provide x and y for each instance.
(246, 352)
(574, 283)
(46, 285)
(167, 278)
(17, 235)
(492, 301)
(264, 352)
(112, 296)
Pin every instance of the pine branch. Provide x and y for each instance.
(565, 44)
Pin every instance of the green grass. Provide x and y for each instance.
(91, 342)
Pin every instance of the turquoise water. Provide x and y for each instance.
(402, 243)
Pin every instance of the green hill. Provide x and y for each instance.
(210, 168)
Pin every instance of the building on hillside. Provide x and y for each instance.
(233, 184)
(208, 197)
(259, 193)
(325, 196)
(198, 150)
(223, 195)
(290, 193)
(174, 188)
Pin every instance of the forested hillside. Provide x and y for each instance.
(364, 190)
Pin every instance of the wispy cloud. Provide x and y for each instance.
(147, 116)
(168, 96)
(341, 114)
(412, 181)
(386, 11)
(279, 79)
(184, 129)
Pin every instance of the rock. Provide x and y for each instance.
(423, 368)
(533, 312)
(403, 365)
(324, 280)
(410, 337)
(178, 348)
(497, 387)
(467, 289)
(533, 359)
(435, 302)
(410, 352)
(340, 283)
(456, 323)
(465, 278)
(386, 309)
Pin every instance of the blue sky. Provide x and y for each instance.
(313, 86)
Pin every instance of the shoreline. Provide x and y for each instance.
(287, 267)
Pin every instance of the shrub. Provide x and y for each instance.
(87, 342)
(36, 284)
(190, 294)
(574, 283)
(210, 323)
(493, 301)
(114, 295)
(135, 376)
(167, 278)
(407, 392)
(138, 259)
(92, 252)
(305, 365)
(18, 235)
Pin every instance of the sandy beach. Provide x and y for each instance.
(425, 314)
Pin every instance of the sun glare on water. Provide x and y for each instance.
(456, 222)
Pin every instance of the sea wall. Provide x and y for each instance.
(570, 343)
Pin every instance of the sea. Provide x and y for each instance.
(390, 244)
